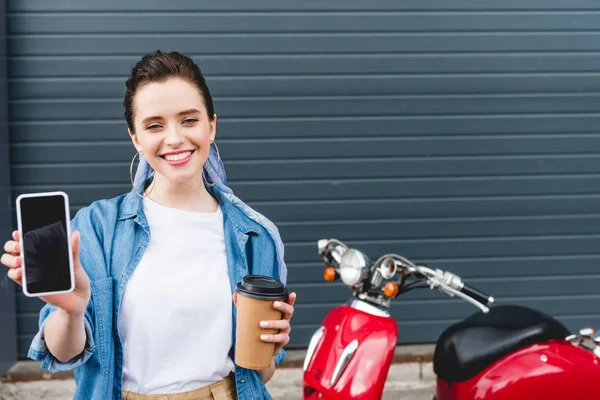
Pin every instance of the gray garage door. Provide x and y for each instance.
(460, 133)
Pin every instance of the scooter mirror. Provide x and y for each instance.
(322, 246)
(388, 268)
(587, 333)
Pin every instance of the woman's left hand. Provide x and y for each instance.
(283, 325)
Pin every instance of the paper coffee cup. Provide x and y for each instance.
(256, 294)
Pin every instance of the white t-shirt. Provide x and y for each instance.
(175, 319)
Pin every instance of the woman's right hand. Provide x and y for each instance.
(73, 303)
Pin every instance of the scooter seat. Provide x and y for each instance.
(468, 347)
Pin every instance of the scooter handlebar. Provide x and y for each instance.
(453, 285)
(475, 294)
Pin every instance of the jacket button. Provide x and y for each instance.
(242, 381)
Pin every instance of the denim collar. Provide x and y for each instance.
(132, 206)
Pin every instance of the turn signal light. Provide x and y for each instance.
(330, 275)
(390, 289)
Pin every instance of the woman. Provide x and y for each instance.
(153, 312)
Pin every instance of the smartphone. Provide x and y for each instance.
(45, 232)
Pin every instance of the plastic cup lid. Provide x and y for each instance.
(262, 287)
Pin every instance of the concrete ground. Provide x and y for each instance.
(410, 381)
(405, 381)
(410, 378)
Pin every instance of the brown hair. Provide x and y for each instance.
(158, 67)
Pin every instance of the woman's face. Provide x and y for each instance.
(172, 129)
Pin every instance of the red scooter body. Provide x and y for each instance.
(366, 371)
(508, 352)
(556, 370)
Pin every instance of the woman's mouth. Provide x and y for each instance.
(179, 158)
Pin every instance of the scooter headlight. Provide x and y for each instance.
(353, 267)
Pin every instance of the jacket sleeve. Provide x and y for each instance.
(39, 351)
(91, 256)
(279, 357)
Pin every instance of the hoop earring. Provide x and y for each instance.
(131, 178)
(218, 167)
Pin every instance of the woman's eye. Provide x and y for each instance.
(189, 121)
(153, 127)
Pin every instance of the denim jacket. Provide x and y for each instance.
(114, 235)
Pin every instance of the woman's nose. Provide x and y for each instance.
(174, 137)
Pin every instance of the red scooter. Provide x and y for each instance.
(499, 353)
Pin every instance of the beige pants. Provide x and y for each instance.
(222, 390)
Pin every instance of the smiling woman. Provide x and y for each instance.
(158, 263)
(172, 122)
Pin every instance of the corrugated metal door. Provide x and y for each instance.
(463, 134)
(8, 318)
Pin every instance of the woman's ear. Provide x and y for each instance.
(134, 140)
(213, 128)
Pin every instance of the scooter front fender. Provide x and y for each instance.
(362, 344)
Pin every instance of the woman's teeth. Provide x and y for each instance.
(178, 157)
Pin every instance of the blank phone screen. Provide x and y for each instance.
(45, 244)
